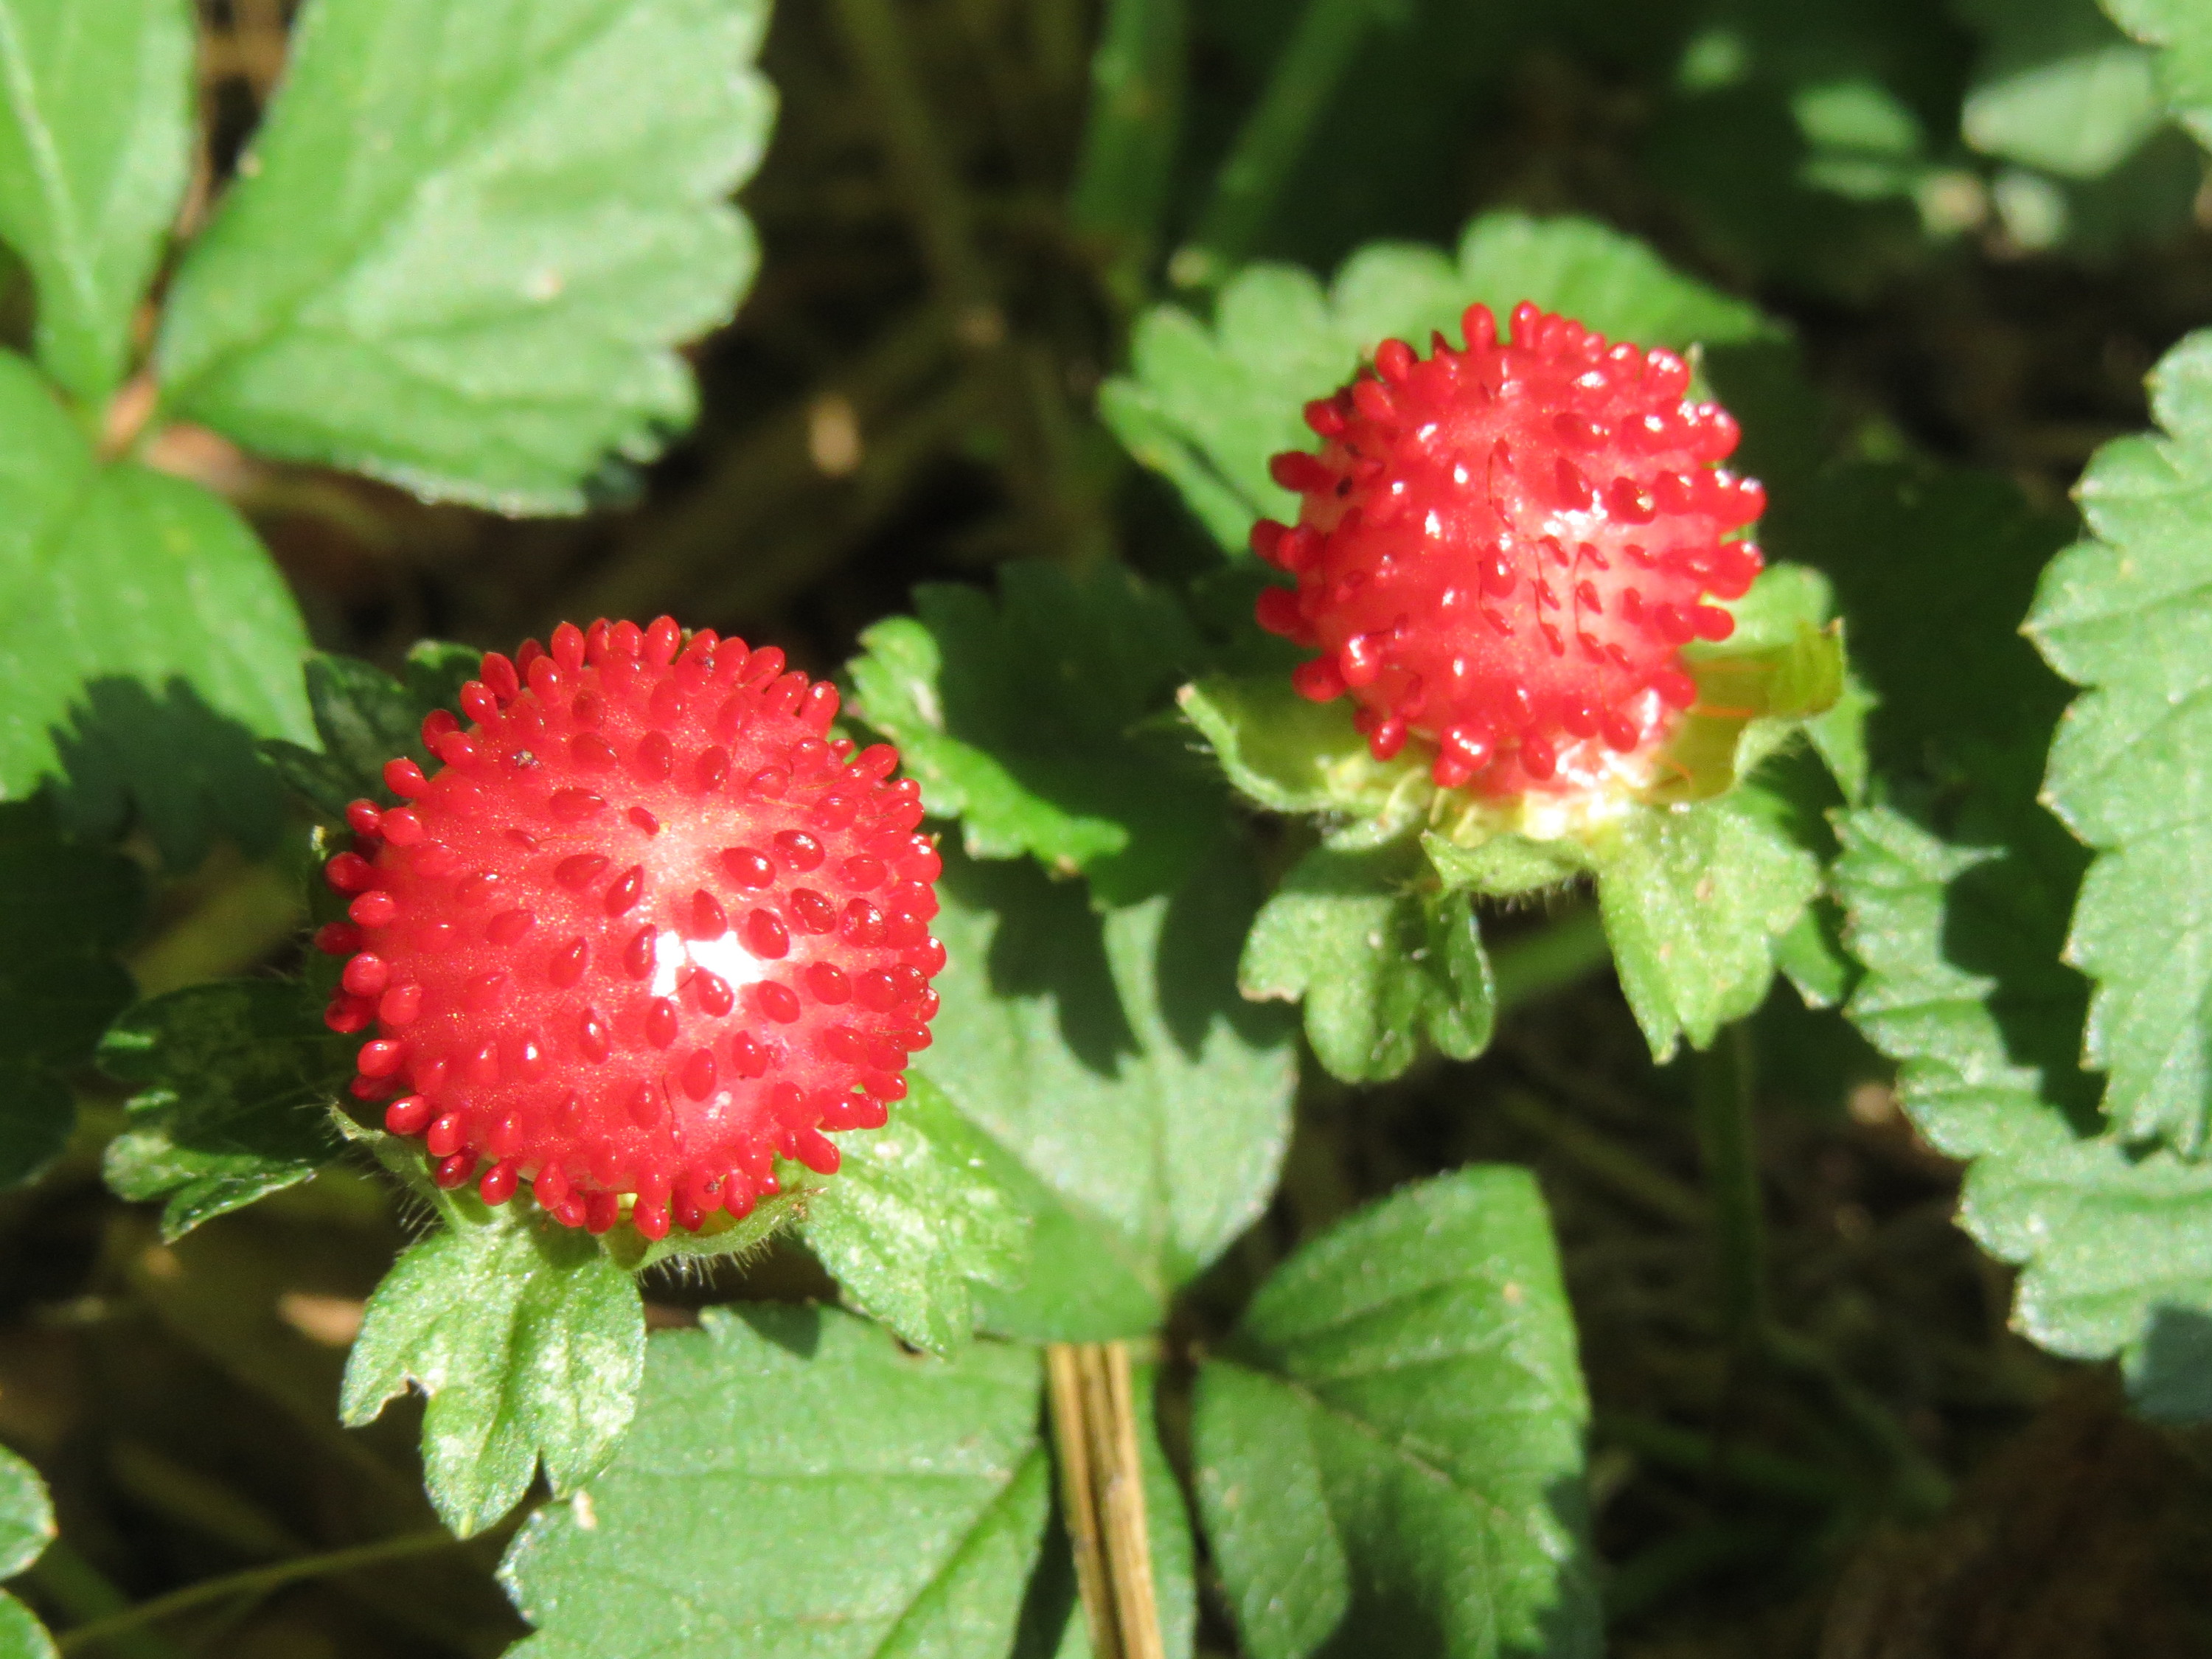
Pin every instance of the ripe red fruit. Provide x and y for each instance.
(645, 928)
(1504, 548)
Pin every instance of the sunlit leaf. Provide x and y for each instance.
(148, 637)
(463, 242)
(530, 1344)
(96, 144)
(1388, 1449)
(798, 1485)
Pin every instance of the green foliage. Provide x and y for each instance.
(462, 246)
(148, 637)
(365, 718)
(913, 1222)
(744, 1513)
(95, 136)
(1963, 989)
(1380, 963)
(2058, 88)
(1134, 1104)
(64, 908)
(1389, 1451)
(1693, 899)
(2184, 32)
(1024, 719)
(2125, 615)
(27, 1526)
(235, 1081)
(529, 1342)
(1205, 407)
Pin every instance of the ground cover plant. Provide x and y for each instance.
(1148, 827)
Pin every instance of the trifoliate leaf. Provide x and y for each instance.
(463, 242)
(149, 639)
(913, 1222)
(1963, 988)
(2058, 87)
(235, 1080)
(1135, 1105)
(798, 1485)
(1381, 964)
(1205, 407)
(2126, 615)
(95, 141)
(64, 908)
(2184, 31)
(530, 1344)
(1389, 1451)
(1021, 719)
(27, 1526)
(365, 718)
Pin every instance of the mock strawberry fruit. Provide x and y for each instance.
(645, 928)
(1502, 551)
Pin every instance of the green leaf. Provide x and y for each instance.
(148, 637)
(530, 1344)
(2058, 87)
(233, 1080)
(1963, 988)
(1381, 963)
(64, 909)
(747, 1511)
(27, 1526)
(912, 1221)
(1208, 407)
(365, 718)
(1389, 1454)
(1021, 719)
(2184, 31)
(26, 1515)
(1135, 1106)
(463, 243)
(1694, 899)
(2126, 615)
(95, 141)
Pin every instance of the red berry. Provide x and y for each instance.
(603, 952)
(1504, 549)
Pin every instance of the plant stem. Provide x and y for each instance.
(1605, 1160)
(1723, 1090)
(937, 207)
(68, 1583)
(1129, 142)
(1093, 1424)
(254, 1581)
(1314, 60)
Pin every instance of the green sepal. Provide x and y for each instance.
(1380, 961)
(528, 1341)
